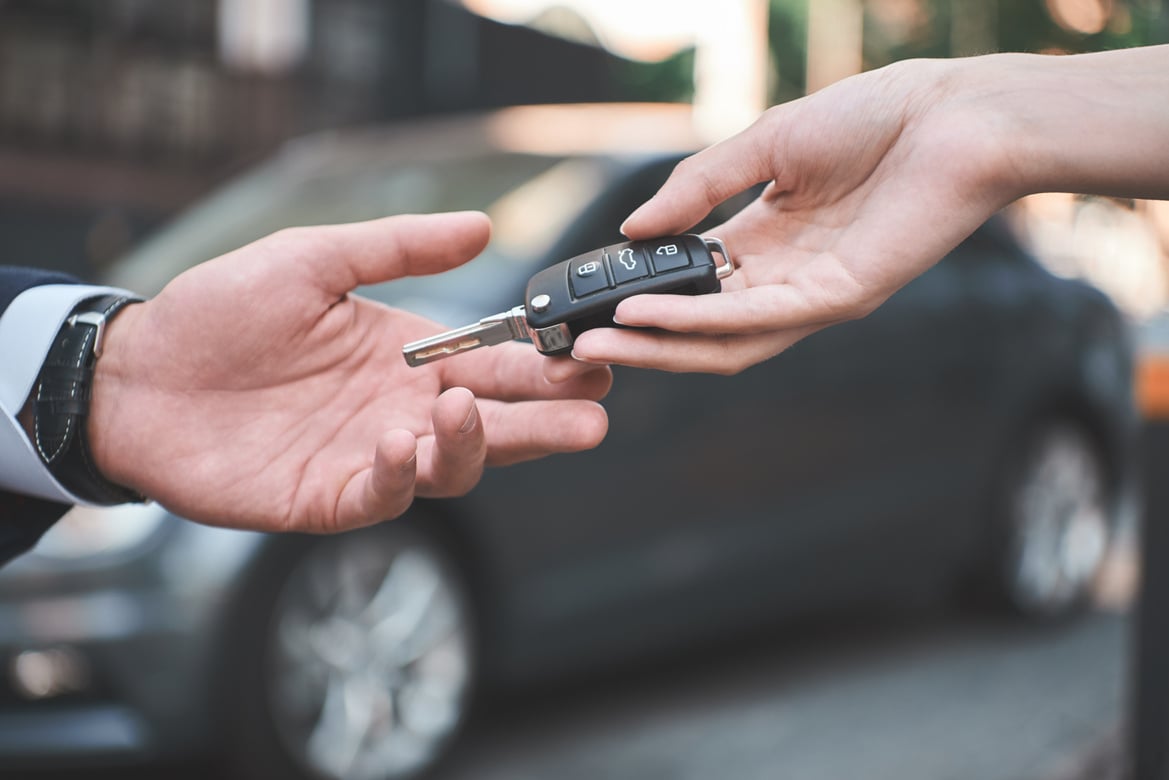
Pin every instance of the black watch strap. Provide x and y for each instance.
(62, 397)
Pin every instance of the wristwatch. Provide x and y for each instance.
(61, 403)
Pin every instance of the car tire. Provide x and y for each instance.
(359, 661)
(1055, 520)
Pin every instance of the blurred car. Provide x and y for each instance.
(973, 432)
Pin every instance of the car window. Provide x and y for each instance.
(640, 179)
(527, 220)
(531, 197)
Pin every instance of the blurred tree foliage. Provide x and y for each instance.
(787, 33)
(893, 32)
(1029, 26)
(671, 80)
(901, 29)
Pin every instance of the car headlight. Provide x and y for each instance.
(100, 531)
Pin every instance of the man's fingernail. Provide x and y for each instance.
(469, 423)
(410, 463)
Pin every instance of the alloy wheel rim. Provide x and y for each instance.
(1062, 523)
(370, 658)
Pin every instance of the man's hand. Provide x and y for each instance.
(256, 392)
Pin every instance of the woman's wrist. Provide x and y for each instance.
(963, 125)
(1090, 123)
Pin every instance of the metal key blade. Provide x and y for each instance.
(487, 332)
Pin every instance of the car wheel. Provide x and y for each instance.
(366, 663)
(1058, 522)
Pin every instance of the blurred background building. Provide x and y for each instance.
(115, 114)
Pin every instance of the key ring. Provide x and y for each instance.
(717, 245)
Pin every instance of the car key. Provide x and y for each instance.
(570, 297)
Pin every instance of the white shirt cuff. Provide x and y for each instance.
(27, 329)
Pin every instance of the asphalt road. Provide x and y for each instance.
(934, 696)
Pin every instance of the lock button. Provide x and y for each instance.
(587, 275)
(669, 256)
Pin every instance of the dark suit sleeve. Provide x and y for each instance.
(23, 520)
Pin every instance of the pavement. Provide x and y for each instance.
(908, 696)
(937, 698)
(914, 694)
(1106, 759)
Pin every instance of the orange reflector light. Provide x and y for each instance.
(1153, 386)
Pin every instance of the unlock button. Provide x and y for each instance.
(669, 256)
(587, 275)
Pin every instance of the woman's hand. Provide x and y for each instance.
(875, 179)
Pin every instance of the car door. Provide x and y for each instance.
(716, 500)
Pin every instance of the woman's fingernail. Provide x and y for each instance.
(588, 360)
(631, 218)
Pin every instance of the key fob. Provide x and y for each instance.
(566, 299)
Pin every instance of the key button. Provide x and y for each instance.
(669, 257)
(587, 275)
(627, 263)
